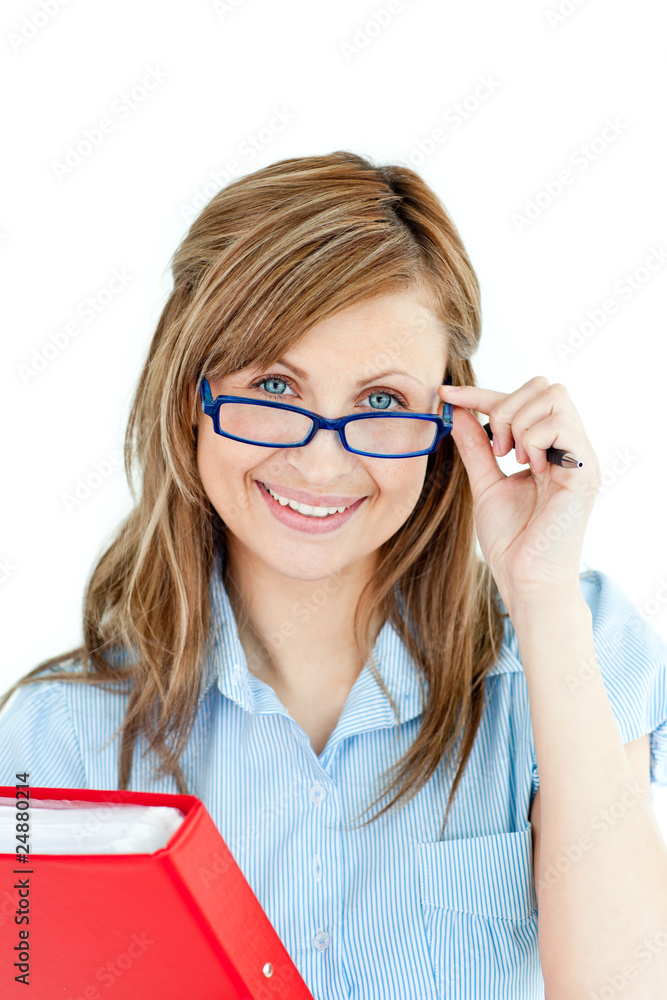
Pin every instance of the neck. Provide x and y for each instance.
(297, 633)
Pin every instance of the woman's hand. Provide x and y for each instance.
(531, 524)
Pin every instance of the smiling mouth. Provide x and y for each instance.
(307, 510)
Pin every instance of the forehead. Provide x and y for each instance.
(398, 327)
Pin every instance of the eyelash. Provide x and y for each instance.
(396, 396)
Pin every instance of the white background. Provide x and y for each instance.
(300, 78)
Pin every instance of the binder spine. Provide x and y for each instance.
(227, 902)
(234, 980)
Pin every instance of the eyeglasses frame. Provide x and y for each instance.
(211, 406)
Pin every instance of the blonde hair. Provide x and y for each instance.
(272, 254)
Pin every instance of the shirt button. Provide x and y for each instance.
(322, 940)
(316, 793)
(317, 867)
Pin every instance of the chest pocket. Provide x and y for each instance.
(480, 914)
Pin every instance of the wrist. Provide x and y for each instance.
(541, 604)
(555, 639)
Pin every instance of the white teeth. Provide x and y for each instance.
(305, 508)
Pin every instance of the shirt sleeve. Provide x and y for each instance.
(633, 663)
(37, 735)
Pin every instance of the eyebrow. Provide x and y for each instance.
(364, 381)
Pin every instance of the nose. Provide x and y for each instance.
(323, 459)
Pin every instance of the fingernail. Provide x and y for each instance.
(452, 388)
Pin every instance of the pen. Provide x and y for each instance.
(554, 455)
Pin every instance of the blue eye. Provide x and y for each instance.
(386, 395)
(378, 392)
(401, 403)
(270, 378)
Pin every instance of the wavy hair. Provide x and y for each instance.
(272, 254)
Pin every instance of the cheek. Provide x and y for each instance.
(217, 473)
(401, 489)
(224, 473)
(207, 459)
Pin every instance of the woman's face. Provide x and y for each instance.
(344, 361)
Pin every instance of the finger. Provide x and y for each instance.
(540, 436)
(500, 406)
(556, 431)
(503, 416)
(553, 401)
(472, 397)
(475, 450)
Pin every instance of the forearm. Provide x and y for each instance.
(602, 877)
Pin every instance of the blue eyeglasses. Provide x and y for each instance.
(270, 424)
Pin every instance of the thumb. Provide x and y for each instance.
(476, 452)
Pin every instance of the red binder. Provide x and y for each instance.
(179, 922)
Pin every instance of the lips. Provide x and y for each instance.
(303, 523)
(312, 499)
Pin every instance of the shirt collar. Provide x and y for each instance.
(226, 663)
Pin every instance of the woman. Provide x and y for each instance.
(263, 656)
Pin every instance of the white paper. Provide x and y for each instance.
(70, 826)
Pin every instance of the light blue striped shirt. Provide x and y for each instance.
(388, 910)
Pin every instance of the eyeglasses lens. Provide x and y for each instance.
(273, 426)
